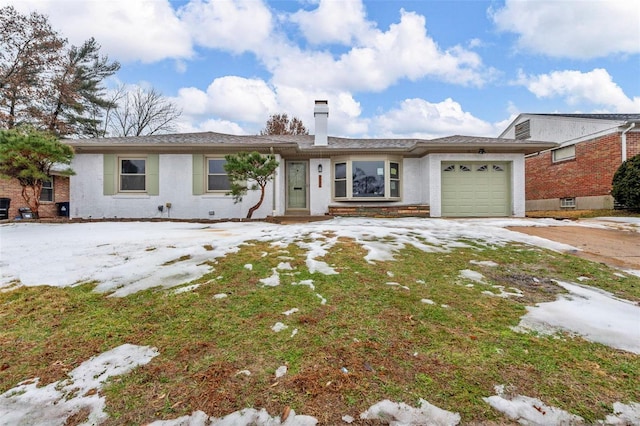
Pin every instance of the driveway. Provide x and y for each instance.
(615, 247)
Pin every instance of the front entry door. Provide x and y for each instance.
(297, 185)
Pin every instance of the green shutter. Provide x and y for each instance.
(110, 170)
(153, 172)
(198, 174)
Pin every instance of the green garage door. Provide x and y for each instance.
(475, 189)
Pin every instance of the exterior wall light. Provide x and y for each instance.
(319, 168)
(481, 151)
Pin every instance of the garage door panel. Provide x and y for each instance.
(475, 189)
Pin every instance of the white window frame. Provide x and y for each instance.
(348, 181)
(207, 174)
(564, 153)
(121, 174)
(50, 187)
(568, 203)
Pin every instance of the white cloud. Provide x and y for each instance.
(127, 30)
(333, 22)
(582, 30)
(418, 118)
(594, 88)
(233, 25)
(379, 60)
(230, 98)
(211, 125)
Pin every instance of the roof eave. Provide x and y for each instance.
(84, 148)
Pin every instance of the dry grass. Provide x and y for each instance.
(579, 214)
(390, 343)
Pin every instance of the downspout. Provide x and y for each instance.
(273, 190)
(624, 141)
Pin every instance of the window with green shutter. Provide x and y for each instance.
(131, 174)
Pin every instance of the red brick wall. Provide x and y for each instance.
(633, 144)
(10, 188)
(589, 174)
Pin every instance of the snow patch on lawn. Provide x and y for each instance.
(527, 410)
(395, 413)
(185, 289)
(278, 327)
(489, 263)
(281, 371)
(127, 257)
(247, 416)
(594, 314)
(624, 414)
(472, 275)
(53, 404)
(532, 411)
(273, 280)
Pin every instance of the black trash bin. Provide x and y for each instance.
(63, 209)
(4, 208)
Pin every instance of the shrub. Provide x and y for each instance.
(626, 184)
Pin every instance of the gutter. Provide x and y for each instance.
(624, 141)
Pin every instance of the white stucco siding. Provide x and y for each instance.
(425, 187)
(517, 178)
(320, 197)
(413, 181)
(87, 199)
(562, 129)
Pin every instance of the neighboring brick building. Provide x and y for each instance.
(579, 173)
(57, 192)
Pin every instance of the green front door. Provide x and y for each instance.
(475, 189)
(297, 185)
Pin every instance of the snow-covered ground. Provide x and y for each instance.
(126, 257)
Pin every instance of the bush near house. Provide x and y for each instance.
(30, 155)
(626, 184)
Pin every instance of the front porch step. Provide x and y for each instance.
(416, 210)
(291, 219)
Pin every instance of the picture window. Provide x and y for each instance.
(366, 179)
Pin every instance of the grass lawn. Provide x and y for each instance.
(402, 330)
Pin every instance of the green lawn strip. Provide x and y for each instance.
(391, 343)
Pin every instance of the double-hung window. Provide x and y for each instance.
(132, 174)
(366, 179)
(217, 179)
(47, 190)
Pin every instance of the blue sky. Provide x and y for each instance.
(389, 68)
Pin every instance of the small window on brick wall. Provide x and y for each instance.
(47, 190)
(564, 153)
(568, 203)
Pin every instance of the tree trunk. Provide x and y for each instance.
(257, 205)
(32, 202)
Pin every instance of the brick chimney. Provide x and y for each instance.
(321, 114)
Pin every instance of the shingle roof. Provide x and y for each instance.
(614, 117)
(300, 144)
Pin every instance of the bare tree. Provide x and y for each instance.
(46, 83)
(142, 112)
(29, 48)
(279, 124)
